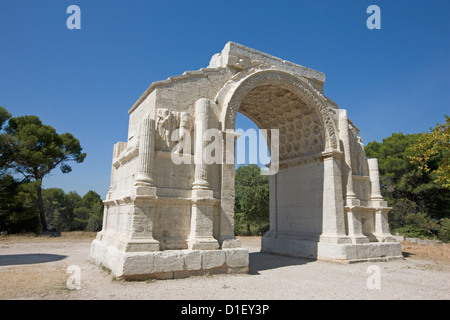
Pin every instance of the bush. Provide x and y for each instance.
(240, 228)
(413, 231)
(419, 225)
(444, 232)
(244, 228)
(400, 209)
(422, 221)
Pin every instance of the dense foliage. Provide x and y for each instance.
(29, 151)
(432, 149)
(251, 204)
(63, 211)
(410, 183)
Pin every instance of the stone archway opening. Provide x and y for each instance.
(251, 145)
(296, 188)
(252, 158)
(274, 107)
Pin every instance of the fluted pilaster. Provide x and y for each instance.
(146, 150)
(344, 136)
(202, 107)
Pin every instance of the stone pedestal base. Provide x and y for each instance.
(168, 264)
(347, 253)
(203, 244)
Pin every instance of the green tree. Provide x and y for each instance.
(17, 210)
(69, 211)
(251, 197)
(432, 153)
(16, 213)
(444, 232)
(89, 212)
(59, 208)
(4, 116)
(5, 143)
(35, 149)
(95, 220)
(407, 188)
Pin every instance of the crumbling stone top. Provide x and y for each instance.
(239, 56)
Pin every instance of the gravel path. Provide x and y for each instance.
(38, 271)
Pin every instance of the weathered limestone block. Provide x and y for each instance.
(237, 258)
(139, 264)
(193, 260)
(213, 259)
(168, 264)
(168, 261)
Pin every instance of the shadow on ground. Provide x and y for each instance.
(30, 258)
(260, 261)
(407, 254)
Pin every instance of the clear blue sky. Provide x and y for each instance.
(395, 79)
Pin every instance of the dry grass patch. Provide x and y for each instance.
(434, 252)
(20, 282)
(31, 237)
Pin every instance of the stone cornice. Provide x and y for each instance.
(126, 156)
(160, 200)
(309, 158)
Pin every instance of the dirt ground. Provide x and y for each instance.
(36, 268)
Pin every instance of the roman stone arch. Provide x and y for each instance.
(169, 213)
(292, 89)
(309, 158)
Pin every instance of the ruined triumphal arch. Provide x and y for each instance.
(169, 211)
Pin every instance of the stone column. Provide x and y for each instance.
(201, 234)
(202, 107)
(333, 219)
(381, 232)
(344, 136)
(374, 174)
(227, 238)
(273, 207)
(143, 180)
(143, 204)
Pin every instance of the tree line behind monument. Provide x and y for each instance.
(29, 151)
(414, 175)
